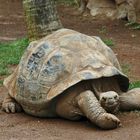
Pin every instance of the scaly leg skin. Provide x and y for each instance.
(9, 105)
(91, 108)
(130, 100)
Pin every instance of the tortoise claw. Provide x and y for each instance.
(11, 107)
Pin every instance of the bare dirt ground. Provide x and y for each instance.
(127, 47)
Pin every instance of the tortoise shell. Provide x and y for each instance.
(53, 64)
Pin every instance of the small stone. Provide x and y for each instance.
(133, 36)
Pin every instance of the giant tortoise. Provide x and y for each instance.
(70, 75)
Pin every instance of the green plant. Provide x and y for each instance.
(108, 42)
(134, 26)
(134, 85)
(1, 82)
(10, 54)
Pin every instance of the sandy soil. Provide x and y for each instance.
(24, 127)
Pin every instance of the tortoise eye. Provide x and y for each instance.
(103, 98)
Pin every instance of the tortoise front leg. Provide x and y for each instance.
(130, 100)
(91, 108)
(9, 105)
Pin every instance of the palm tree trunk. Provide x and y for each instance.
(41, 17)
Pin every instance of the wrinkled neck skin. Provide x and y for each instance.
(130, 100)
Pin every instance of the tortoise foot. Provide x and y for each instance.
(108, 121)
(11, 107)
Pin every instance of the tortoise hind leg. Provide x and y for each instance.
(130, 100)
(9, 105)
(92, 109)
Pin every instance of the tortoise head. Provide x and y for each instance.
(110, 101)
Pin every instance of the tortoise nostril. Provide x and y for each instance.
(115, 97)
(111, 102)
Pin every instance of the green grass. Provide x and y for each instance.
(134, 85)
(109, 42)
(1, 82)
(134, 26)
(10, 54)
